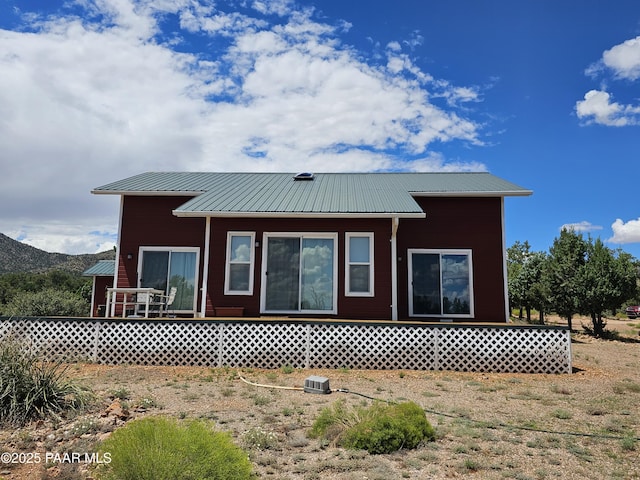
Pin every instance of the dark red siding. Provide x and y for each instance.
(100, 294)
(148, 221)
(465, 223)
(377, 307)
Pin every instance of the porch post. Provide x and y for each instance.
(205, 267)
(93, 296)
(395, 221)
(117, 263)
(505, 288)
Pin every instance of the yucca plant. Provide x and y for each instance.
(31, 389)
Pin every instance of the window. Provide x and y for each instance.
(166, 267)
(299, 273)
(440, 283)
(359, 265)
(239, 265)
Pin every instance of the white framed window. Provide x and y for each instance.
(238, 274)
(359, 264)
(299, 272)
(165, 267)
(440, 283)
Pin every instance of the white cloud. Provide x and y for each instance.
(65, 238)
(624, 59)
(459, 95)
(89, 97)
(198, 18)
(436, 163)
(582, 226)
(623, 233)
(598, 107)
(279, 7)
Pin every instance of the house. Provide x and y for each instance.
(102, 274)
(379, 246)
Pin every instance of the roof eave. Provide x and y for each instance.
(150, 193)
(501, 193)
(203, 214)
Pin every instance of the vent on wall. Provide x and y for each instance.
(303, 176)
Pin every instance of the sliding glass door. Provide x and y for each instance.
(299, 273)
(440, 283)
(283, 274)
(163, 268)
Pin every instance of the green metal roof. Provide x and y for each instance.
(104, 268)
(327, 194)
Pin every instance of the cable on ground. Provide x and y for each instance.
(459, 417)
(281, 387)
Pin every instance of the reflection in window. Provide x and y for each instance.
(163, 268)
(455, 284)
(300, 273)
(440, 283)
(239, 267)
(317, 274)
(359, 268)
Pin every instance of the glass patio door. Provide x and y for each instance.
(299, 274)
(425, 284)
(440, 283)
(163, 269)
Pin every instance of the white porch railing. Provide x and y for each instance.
(299, 344)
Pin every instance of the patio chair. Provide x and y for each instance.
(155, 306)
(169, 299)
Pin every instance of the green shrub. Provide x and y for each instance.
(388, 428)
(380, 428)
(13, 283)
(31, 389)
(48, 302)
(629, 444)
(161, 448)
(334, 421)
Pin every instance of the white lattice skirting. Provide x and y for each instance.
(308, 344)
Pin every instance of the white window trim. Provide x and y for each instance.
(227, 263)
(301, 235)
(441, 252)
(347, 265)
(195, 250)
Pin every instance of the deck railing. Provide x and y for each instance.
(296, 343)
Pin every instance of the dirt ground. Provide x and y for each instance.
(584, 425)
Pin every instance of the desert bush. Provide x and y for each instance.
(260, 439)
(31, 389)
(381, 428)
(162, 448)
(48, 302)
(334, 421)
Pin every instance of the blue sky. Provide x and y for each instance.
(543, 93)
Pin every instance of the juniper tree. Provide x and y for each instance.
(605, 281)
(567, 256)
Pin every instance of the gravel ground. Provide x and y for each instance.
(489, 426)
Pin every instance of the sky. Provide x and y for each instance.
(543, 93)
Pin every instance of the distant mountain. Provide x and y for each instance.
(20, 257)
